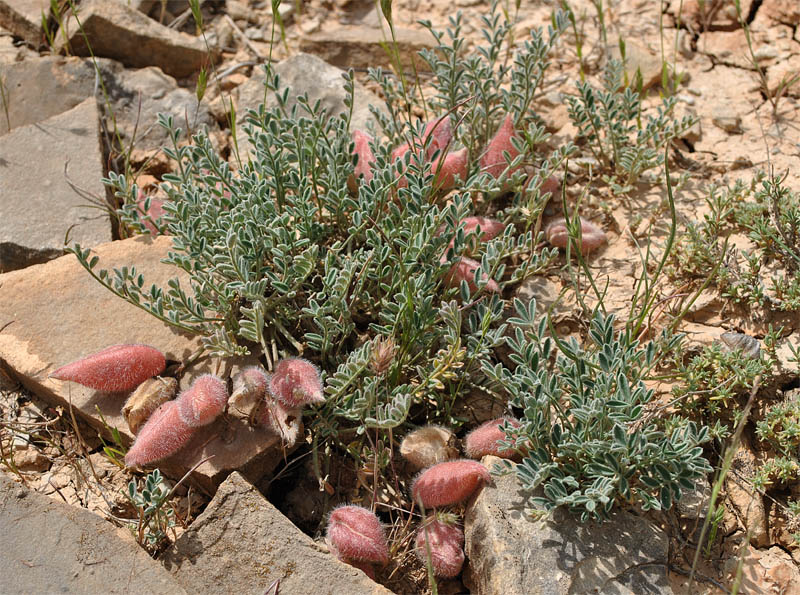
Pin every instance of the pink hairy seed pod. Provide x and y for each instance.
(440, 133)
(283, 421)
(592, 237)
(490, 228)
(464, 270)
(366, 158)
(427, 446)
(163, 434)
(249, 387)
(446, 543)
(355, 533)
(454, 164)
(296, 382)
(155, 212)
(203, 401)
(449, 483)
(114, 369)
(482, 440)
(493, 161)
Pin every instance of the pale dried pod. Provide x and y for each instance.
(427, 446)
(149, 395)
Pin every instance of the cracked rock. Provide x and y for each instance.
(511, 554)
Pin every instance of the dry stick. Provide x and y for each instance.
(726, 466)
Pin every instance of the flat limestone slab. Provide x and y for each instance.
(115, 30)
(38, 207)
(24, 18)
(243, 542)
(51, 547)
(510, 554)
(55, 313)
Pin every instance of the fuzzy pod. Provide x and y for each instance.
(493, 161)
(296, 382)
(427, 446)
(203, 401)
(592, 237)
(163, 434)
(483, 440)
(446, 167)
(490, 228)
(152, 215)
(440, 133)
(355, 533)
(148, 397)
(464, 270)
(449, 483)
(115, 369)
(285, 422)
(446, 543)
(365, 155)
(250, 386)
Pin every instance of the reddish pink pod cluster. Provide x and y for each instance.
(356, 534)
(172, 425)
(438, 131)
(447, 164)
(484, 439)
(493, 160)
(464, 270)
(296, 382)
(592, 237)
(114, 369)
(490, 228)
(449, 483)
(203, 402)
(444, 542)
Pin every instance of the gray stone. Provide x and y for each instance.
(723, 117)
(243, 542)
(24, 18)
(115, 30)
(43, 87)
(693, 504)
(38, 206)
(511, 554)
(638, 57)
(304, 73)
(363, 46)
(56, 313)
(51, 547)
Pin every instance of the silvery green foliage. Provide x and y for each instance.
(624, 141)
(281, 259)
(155, 515)
(585, 436)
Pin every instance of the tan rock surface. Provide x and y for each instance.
(55, 313)
(243, 542)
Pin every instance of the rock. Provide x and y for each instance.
(138, 96)
(747, 503)
(784, 77)
(242, 541)
(512, 554)
(710, 15)
(55, 313)
(724, 118)
(43, 87)
(50, 547)
(766, 571)
(783, 11)
(115, 30)
(639, 57)
(30, 459)
(24, 19)
(362, 47)
(39, 208)
(304, 73)
(693, 504)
